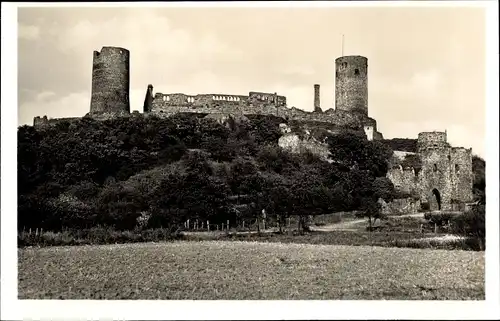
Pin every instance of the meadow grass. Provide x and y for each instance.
(248, 270)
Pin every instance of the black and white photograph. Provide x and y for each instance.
(250, 160)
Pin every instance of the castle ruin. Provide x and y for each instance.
(444, 181)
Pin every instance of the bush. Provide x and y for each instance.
(93, 236)
(440, 219)
(472, 224)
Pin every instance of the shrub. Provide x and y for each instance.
(440, 219)
(96, 235)
(472, 224)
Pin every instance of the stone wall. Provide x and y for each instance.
(292, 143)
(44, 122)
(110, 82)
(445, 178)
(400, 206)
(254, 104)
(404, 179)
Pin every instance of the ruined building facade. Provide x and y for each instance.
(445, 179)
(351, 103)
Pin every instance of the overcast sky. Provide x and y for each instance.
(426, 65)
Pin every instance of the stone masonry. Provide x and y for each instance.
(351, 84)
(110, 83)
(317, 105)
(445, 179)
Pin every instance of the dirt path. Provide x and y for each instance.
(352, 225)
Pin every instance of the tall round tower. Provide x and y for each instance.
(110, 82)
(351, 84)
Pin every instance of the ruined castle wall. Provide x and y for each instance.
(257, 98)
(40, 122)
(351, 84)
(400, 206)
(110, 82)
(404, 179)
(292, 143)
(44, 122)
(148, 100)
(255, 103)
(461, 174)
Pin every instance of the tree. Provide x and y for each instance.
(479, 185)
(472, 224)
(355, 151)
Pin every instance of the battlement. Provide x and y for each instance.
(111, 51)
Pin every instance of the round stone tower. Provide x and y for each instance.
(432, 140)
(110, 83)
(351, 84)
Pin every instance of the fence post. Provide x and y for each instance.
(36, 232)
(188, 224)
(243, 224)
(227, 225)
(208, 226)
(435, 228)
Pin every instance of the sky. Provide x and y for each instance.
(426, 66)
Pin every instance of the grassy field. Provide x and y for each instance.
(248, 270)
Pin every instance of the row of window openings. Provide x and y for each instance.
(457, 167)
(265, 97)
(191, 99)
